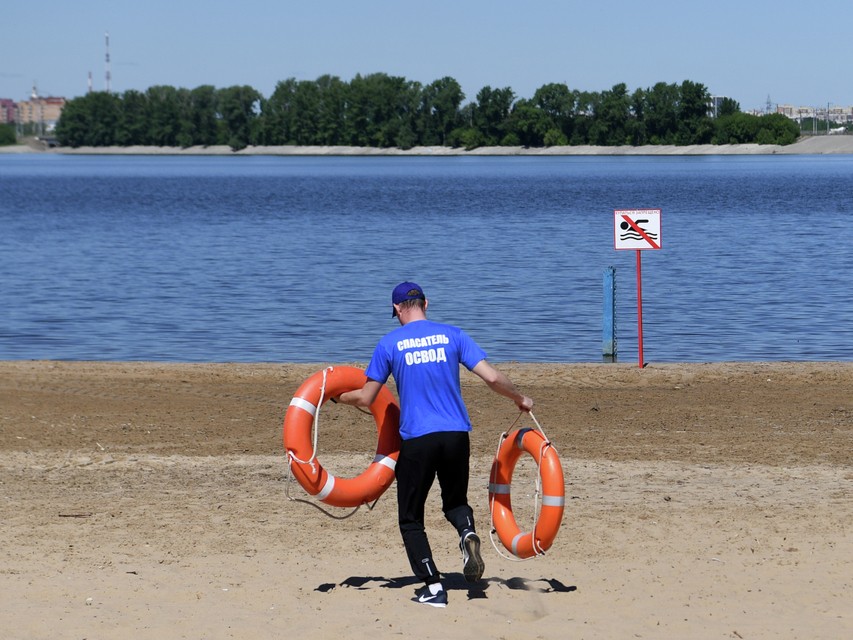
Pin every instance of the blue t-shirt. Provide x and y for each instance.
(424, 358)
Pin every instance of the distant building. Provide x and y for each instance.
(41, 111)
(838, 115)
(715, 106)
(7, 111)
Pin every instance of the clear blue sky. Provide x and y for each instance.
(795, 53)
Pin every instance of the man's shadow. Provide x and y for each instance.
(454, 582)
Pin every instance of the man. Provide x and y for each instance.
(424, 358)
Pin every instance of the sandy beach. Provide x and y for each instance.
(148, 500)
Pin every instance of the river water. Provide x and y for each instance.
(293, 259)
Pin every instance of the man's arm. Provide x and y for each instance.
(363, 397)
(499, 383)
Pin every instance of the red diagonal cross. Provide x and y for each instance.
(640, 230)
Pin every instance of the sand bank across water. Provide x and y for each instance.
(834, 144)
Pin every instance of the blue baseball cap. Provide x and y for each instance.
(405, 291)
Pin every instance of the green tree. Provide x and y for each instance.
(403, 133)
(162, 116)
(104, 111)
(728, 107)
(238, 107)
(73, 126)
(396, 119)
(737, 128)
(775, 128)
(660, 114)
(360, 113)
(466, 135)
(558, 103)
(529, 124)
(637, 131)
(204, 117)
(91, 120)
(586, 105)
(439, 111)
(555, 138)
(694, 124)
(7, 134)
(278, 114)
(612, 116)
(331, 111)
(306, 107)
(491, 113)
(132, 126)
(382, 111)
(186, 134)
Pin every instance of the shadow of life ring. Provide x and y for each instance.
(298, 426)
(531, 543)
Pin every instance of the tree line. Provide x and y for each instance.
(379, 110)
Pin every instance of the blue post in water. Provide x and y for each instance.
(608, 344)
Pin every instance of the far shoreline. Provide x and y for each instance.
(811, 145)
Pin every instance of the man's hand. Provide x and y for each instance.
(526, 404)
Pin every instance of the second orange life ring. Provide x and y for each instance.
(298, 424)
(539, 540)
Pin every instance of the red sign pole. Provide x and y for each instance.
(640, 306)
(637, 229)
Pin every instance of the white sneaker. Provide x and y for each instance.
(425, 596)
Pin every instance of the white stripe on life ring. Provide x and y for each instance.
(498, 488)
(303, 404)
(327, 488)
(385, 461)
(515, 543)
(553, 501)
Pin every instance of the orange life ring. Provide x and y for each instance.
(536, 542)
(298, 424)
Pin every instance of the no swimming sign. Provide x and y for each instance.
(636, 229)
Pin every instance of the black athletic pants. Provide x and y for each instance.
(442, 455)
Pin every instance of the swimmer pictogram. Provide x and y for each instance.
(632, 233)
